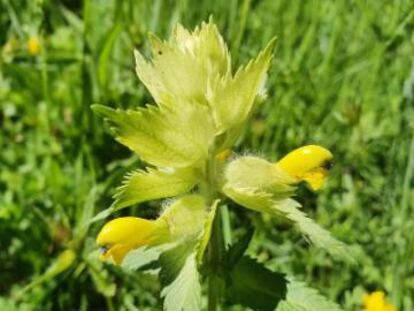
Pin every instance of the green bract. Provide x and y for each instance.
(201, 107)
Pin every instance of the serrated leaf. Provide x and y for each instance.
(173, 260)
(205, 237)
(180, 279)
(288, 208)
(164, 137)
(253, 285)
(256, 184)
(182, 66)
(319, 236)
(143, 257)
(150, 184)
(232, 97)
(302, 298)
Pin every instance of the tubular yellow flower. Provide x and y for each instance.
(376, 302)
(123, 234)
(33, 46)
(309, 163)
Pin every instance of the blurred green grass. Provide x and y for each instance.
(343, 77)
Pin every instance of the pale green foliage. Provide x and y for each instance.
(195, 66)
(316, 234)
(254, 172)
(184, 293)
(143, 256)
(165, 137)
(151, 184)
(257, 184)
(205, 237)
(183, 66)
(232, 97)
(302, 298)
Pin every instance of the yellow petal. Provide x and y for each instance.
(316, 178)
(122, 234)
(304, 159)
(307, 163)
(117, 253)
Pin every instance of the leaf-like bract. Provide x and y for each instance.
(253, 285)
(302, 298)
(319, 236)
(255, 183)
(182, 66)
(206, 233)
(164, 137)
(232, 97)
(181, 280)
(142, 257)
(144, 185)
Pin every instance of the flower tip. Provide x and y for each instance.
(309, 163)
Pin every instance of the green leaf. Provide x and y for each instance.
(317, 235)
(141, 185)
(142, 257)
(205, 237)
(105, 53)
(165, 137)
(288, 209)
(102, 283)
(236, 251)
(182, 66)
(301, 298)
(60, 264)
(180, 279)
(232, 97)
(253, 285)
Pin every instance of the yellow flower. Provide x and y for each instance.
(309, 163)
(123, 234)
(33, 45)
(376, 302)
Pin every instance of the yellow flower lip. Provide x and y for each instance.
(118, 236)
(309, 163)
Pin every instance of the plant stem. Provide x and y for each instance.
(216, 248)
(215, 252)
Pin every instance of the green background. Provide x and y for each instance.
(343, 77)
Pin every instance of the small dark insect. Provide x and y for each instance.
(328, 165)
(103, 249)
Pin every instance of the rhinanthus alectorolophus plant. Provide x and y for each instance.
(201, 107)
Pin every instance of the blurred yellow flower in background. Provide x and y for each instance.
(33, 45)
(376, 302)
